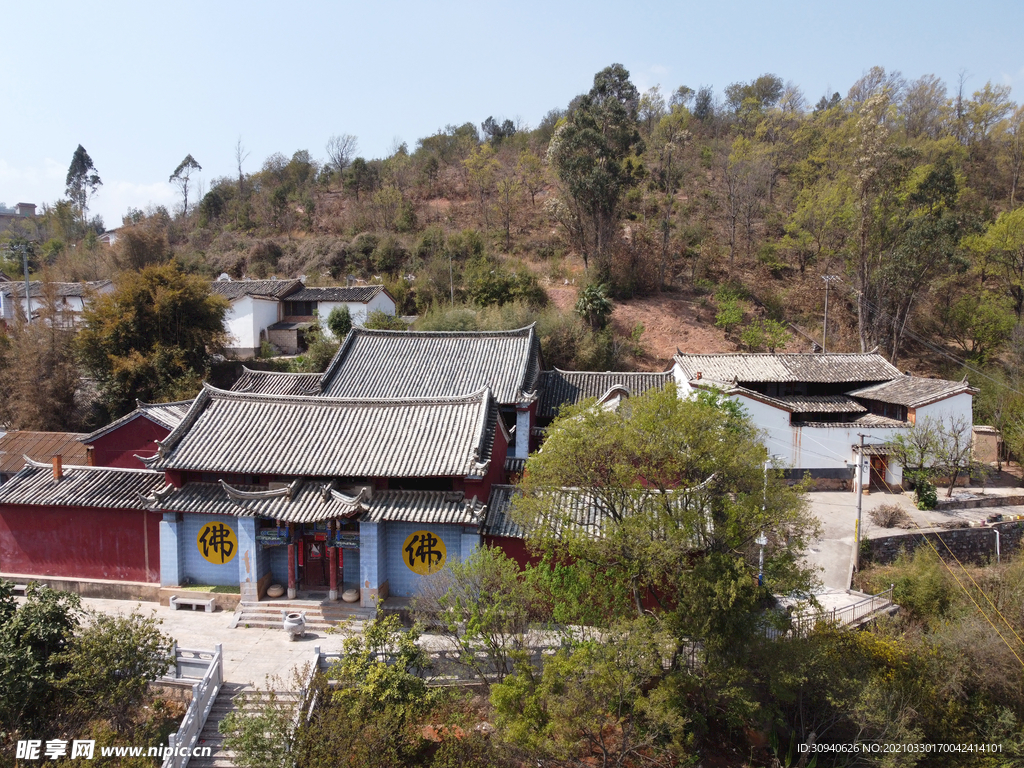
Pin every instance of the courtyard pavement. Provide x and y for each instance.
(250, 655)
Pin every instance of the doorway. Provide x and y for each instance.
(879, 466)
(315, 572)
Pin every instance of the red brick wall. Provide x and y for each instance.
(79, 542)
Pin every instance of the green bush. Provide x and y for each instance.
(730, 315)
(926, 495)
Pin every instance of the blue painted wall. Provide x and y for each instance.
(402, 580)
(195, 566)
(171, 560)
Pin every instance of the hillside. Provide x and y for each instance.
(710, 219)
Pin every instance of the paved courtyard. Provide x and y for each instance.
(250, 655)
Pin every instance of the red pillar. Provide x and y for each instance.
(292, 587)
(332, 564)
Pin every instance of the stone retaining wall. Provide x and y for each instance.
(974, 545)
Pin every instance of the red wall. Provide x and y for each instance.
(495, 473)
(118, 448)
(80, 542)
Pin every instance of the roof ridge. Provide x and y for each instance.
(481, 394)
(33, 464)
(247, 369)
(613, 373)
(525, 331)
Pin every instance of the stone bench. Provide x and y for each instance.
(176, 601)
(20, 589)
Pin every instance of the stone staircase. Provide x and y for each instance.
(320, 615)
(230, 699)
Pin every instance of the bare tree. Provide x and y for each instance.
(241, 153)
(341, 149)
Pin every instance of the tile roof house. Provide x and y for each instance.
(69, 299)
(18, 445)
(813, 408)
(254, 306)
(280, 311)
(120, 443)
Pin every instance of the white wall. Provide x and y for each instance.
(238, 324)
(246, 318)
(809, 447)
(356, 309)
(956, 407)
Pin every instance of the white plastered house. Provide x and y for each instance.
(70, 299)
(813, 408)
(254, 306)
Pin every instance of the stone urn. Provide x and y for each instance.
(294, 624)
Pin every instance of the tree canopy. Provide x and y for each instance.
(151, 338)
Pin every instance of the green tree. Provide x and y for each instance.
(151, 338)
(181, 178)
(340, 322)
(32, 637)
(380, 320)
(483, 607)
(591, 154)
(594, 306)
(692, 472)
(599, 703)
(82, 182)
(110, 665)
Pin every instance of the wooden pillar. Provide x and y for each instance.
(292, 586)
(332, 563)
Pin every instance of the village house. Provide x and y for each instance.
(69, 300)
(813, 408)
(360, 480)
(281, 311)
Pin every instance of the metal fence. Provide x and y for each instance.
(207, 668)
(803, 623)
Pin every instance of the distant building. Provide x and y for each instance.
(812, 408)
(281, 311)
(20, 218)
(70, 299)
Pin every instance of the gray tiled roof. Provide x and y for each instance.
(167, 415)
(81, 487)
(867, 420)
(805, 403)
(333, 437)
(236, 289)
(355, 293)
(436, 507)
(560, 388)
(17, 288)
(277, 383)
(912, 391)
(373, 363)
(789, 367)
(314, 501)
(311, 502)
(498, 521)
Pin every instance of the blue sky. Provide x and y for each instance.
(142, 84)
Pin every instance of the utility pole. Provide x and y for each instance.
(23, 247)
(824, 327)
(860, 502)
